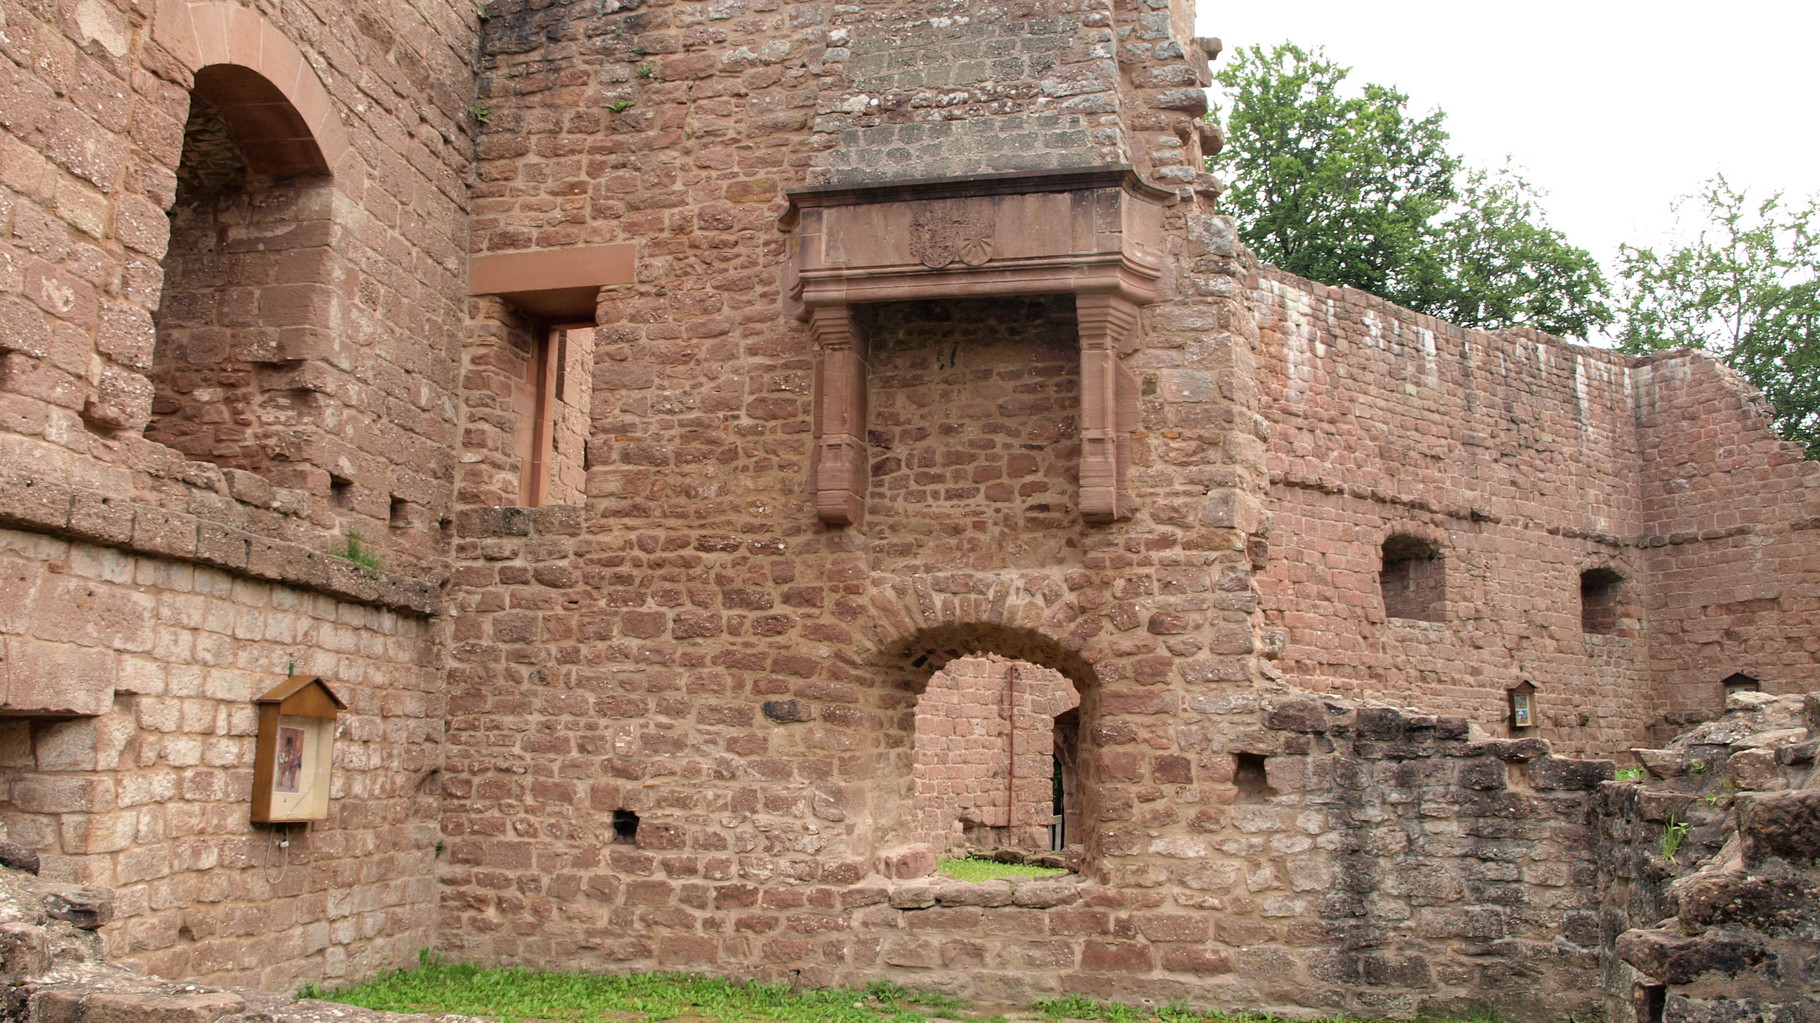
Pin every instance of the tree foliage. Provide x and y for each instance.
(1351, 188)
(1746, 289)
(1503, 266)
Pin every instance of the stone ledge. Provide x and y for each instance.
(74, 513)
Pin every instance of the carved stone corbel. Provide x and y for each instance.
(1108, 403)
(840, 416)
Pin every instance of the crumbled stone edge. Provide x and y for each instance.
(53, 970)
(75, 513)
(1746, 914)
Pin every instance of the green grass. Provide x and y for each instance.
(516, 994)
(991, 870)
(1076, 1007)
(352, 549)
(522, 995)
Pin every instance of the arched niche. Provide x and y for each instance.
(250, 286)
(209, 35)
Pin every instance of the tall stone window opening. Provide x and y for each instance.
(1412, 579)
(528, 392)
(551, 411)
(1601, 590)
(250, 287)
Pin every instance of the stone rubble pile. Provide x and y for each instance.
(1729, 846)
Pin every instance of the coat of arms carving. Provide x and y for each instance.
(942, 234)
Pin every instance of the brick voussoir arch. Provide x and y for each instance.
(930, 619)
(203, 35)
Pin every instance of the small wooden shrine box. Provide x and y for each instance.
(295, 751)
(1522, 706)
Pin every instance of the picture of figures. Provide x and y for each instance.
(290, 760)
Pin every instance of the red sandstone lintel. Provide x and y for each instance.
(554, 283)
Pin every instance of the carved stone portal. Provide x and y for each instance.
(1096, 234)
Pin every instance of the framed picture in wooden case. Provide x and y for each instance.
(1522, 706)
(295, 751)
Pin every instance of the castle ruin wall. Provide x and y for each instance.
(676, 526)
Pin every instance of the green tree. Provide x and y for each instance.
(1503, 266)
(1746, 289)
(1353, 189)
(1340, 189)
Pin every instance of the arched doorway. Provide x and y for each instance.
(986, 758)
(985, 716)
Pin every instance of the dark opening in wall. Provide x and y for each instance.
(625, 827)
(1600, 593)
(401, 513)
(1651, 1001)
(1249, 774)
(1412, 580)
(1065, 780)
(341, 492)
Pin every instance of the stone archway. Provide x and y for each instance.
(204, 35)
(979, 637)
(252, 305)
(985, 758)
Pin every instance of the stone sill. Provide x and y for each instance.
(1034, 893)
(1419, 624)
(74, 513)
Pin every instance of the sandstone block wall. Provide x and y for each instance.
(55, 970)
(1707, 870)
(691, 646)
(147, 791)
(153, 589)
(94, 149)
(681, 715)
(985, 772)
(1512, 455)
(1516, 457)
(1730, 539)
(1381, 862)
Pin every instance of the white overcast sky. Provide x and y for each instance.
(1614, 108)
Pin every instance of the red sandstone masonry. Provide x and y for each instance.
(1512, 453)
(1516, 454)
(963, 771)
(1731, 539)
(626, 655)
(208, 578)
(679, 637)
(147, 791)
